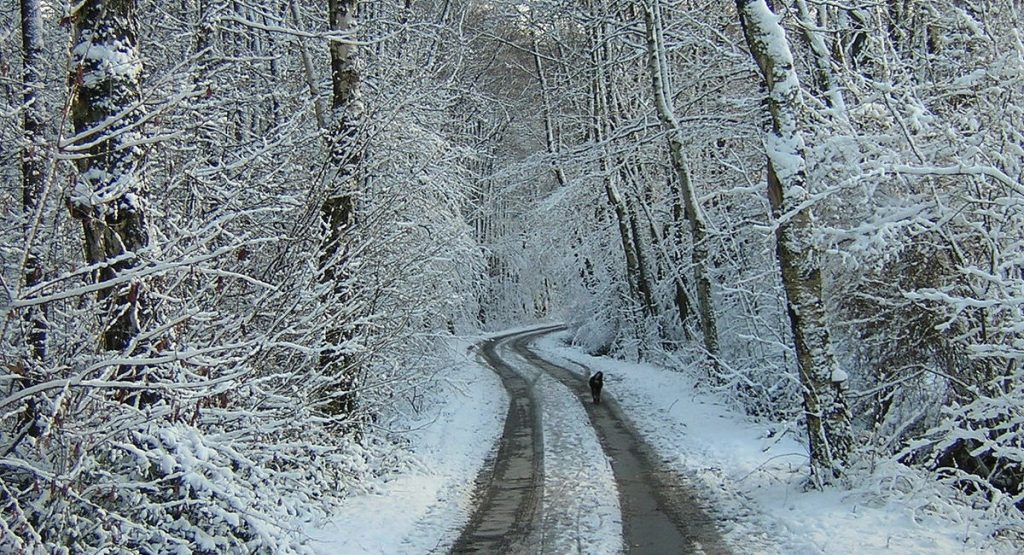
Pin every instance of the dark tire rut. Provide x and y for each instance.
(507, 518)
(660, 512)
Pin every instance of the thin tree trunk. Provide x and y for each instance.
(307, 66)
(33, 188)
(338, 211)
(33, 165)
(694, 215)
(673, 263)
(551, 139)
(828, 419)
(600, 129)
(643, 277)
(823, 76)
(109, 195)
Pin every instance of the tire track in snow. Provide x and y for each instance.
(507, 517)
(580, 505)
(659, 512)
(520, 512)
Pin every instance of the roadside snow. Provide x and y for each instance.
(423, 509)
(755, 482)
(752, 478)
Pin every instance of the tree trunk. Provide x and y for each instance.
(338, 211)
(307, 67)
(622, 217)
(109, 193)
(824, 78)
(643, 277)
(33, 187)
(672, 265)
(551, 138)
(601, 129)
(658, 67)
(826, 412)
(33, 166)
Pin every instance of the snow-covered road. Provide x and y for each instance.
(593, 462)
(577, 509)
(750, 472)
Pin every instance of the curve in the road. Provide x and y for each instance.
(660, 512)
(506, 519)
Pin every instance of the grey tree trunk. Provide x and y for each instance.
(604, 124)
(338, 211)
(643, 277)
(823, 76)
(33, 165)
(34, 175)
(551, 138)
(662, 86)
(307, 67)
(599, 132)
(828, 419)
(109, 195)
(622, 217)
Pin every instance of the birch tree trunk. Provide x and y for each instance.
(338, 211)
(307, 67)
(599, 131)
(33, 165)
(823, 382)
(551, 138)
(824, 78)
(109, 194)
(662, 86)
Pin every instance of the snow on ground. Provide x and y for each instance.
(422, 509)
(755, 483)
(580, 501)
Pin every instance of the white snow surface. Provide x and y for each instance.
(751, 477)
(423, 508)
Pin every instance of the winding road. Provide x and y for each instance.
(660, 513)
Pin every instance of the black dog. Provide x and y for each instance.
(596, 383)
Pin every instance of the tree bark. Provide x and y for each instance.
(307, 67)
(33, 165)
(601, 128)
(551, 138)
(109, 194)
(823, 76)
(828, 420)
(338, 211)
(643, 277)
(661, 84)
(33, 188)
(622, 218)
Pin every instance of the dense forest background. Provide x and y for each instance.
(235, 236)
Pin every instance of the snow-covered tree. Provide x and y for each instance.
(691, 208)
(827, 416)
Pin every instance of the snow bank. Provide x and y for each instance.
(422, 508)
(753, 474)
